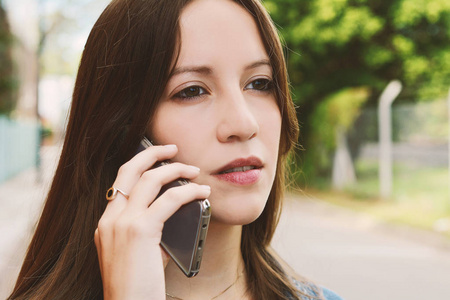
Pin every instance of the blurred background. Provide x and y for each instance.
(369, 208)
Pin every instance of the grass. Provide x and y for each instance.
(420, 194)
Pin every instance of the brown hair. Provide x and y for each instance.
(123, 72)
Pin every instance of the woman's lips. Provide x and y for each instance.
(241, 171)
(240, 178)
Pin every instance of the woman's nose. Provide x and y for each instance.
(237, 120)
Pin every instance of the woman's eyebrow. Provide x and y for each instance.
(258, 63)
(206, 70)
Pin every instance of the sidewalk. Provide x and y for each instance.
(21, 200)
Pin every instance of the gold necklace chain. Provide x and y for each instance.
(221, 293)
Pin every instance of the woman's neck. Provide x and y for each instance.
(222, 265)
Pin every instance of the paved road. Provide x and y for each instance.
(362, 259)
(353, 255)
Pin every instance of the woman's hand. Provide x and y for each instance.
(129, 232)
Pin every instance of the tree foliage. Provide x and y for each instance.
(8, 83)
(337, 44)
(336, 113)
(63, 28)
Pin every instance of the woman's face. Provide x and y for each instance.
(219, 108)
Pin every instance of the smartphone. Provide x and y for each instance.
(184, 233)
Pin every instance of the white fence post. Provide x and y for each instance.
(448, 107)
(343, 170)
(385, 136)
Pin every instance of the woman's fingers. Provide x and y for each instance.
(148, 224)
(151, 182)
(172, 199)
(145, 159)
(130, 173)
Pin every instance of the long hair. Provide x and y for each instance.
(125, 66)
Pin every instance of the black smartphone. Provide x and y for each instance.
(184, 233)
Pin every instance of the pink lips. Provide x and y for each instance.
(241, 177)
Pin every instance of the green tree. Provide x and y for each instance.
(8, 83)
(336, 112)
(337, 44)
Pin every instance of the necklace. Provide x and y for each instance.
(221, 293)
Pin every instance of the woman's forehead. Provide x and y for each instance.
(219, 29)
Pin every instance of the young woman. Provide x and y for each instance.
(206, 81)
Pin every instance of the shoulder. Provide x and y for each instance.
(330, 295)
(310, 291)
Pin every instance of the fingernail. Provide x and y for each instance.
(206, 187)
(195, 168)
(171, 146)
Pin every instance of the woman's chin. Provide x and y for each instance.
(239, 214)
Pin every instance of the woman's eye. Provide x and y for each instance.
(261, 84)
(190, 93)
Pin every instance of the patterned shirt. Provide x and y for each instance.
(309, 291)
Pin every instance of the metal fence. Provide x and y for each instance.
(420, 155)
(19, 145)
(420, 133)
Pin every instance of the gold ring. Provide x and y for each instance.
(112, 193)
